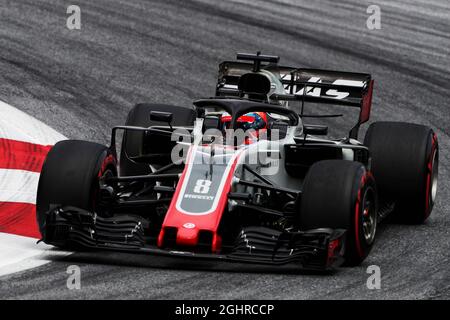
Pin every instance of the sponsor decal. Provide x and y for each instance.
(200, 197)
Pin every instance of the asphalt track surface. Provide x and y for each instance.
(83, 82)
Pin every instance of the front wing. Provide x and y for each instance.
(317, 249)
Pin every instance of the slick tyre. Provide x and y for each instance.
(70, 177)
(405, 161)
(341, 194)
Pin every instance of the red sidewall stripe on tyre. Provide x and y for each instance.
(357, 214)
(429, 175)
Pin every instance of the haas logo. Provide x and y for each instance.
(331, 93)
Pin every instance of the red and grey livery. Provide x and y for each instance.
(285, 193)
(200, 198)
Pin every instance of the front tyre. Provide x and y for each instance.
(70, 177)
(341, 194)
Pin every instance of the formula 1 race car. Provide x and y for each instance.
(240, 177)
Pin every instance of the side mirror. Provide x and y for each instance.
(315, 129)
(161, 116)
(282, 128)
(211, 122)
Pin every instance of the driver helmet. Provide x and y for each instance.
(251, 120)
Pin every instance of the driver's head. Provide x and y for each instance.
(252, 120)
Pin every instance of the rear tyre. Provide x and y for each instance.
(134, 142)
(70, 177)
(341, 194)
(405, 161)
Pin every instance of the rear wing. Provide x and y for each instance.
(306, 85)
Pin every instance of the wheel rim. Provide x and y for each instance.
(369, 215)
(434, 178)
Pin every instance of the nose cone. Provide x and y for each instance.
(187, 235)
(199, 200)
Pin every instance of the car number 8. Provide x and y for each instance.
(202, 186)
